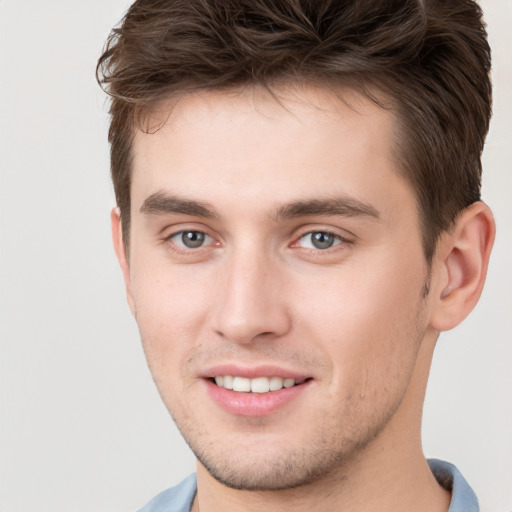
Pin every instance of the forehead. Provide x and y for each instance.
(299, 143)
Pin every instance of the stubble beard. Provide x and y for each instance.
(326, 455)
(289, 470)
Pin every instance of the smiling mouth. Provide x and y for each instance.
(256, 385)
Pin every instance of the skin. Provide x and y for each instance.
(355, 318)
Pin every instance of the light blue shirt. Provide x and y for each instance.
(179, 498)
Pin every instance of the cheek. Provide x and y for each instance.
(170, 313)
(368, 322)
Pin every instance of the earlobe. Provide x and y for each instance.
(461, 266)
(120, 249)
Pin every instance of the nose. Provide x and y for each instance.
(251, 303)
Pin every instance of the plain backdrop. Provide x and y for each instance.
(82, 428)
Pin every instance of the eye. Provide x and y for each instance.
(190, 239)
(320, 240)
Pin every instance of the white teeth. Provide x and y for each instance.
(276, 383)
(228, 382)
(256, 385)
(241, 384)
(288, 383)
(260, 385)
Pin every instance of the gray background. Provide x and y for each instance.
(81, 425)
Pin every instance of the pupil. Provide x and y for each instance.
(192, 239)
(322, 240)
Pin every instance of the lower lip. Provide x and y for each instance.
(253, 404)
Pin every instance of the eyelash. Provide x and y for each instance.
(339, 241)
(186, 250)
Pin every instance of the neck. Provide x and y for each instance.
(389, 485)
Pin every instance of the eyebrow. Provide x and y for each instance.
(161, 203)
(344, 206)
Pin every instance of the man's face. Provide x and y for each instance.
(276, 246)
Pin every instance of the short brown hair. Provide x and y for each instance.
(429, 57)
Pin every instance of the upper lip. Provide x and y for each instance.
(254, 371)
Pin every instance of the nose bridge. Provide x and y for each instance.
(250, 303)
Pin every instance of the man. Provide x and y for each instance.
(298, 218)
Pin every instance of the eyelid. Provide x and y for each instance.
(173, 231)
(207, 237)
(345, 241)
(337, 240)
(327, 233)
(344, 235)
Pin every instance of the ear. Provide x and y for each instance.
(461, 264)
(120, 248)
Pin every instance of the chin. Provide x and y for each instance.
(271, 471)
(278, 475)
